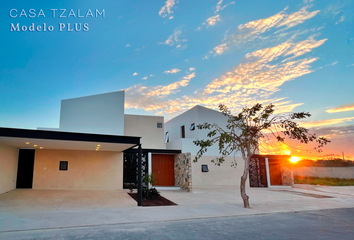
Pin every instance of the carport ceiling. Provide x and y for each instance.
(39, 139)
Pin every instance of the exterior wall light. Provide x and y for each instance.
(205, 168)
(27, 143)
(192, 128)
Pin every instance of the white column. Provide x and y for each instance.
(149, 166)
(267, 170)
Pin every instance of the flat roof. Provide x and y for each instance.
(44, 139)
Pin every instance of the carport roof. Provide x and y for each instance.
(26, 138)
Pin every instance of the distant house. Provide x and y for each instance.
(96, 147)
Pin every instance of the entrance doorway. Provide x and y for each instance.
(25, 168)
(274, 171)
(163, 169)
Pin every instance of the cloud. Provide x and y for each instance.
(246, 34)
(154, 98)
(128, 45)
(151, 75)
(166, 9)
(219, 7)
(351, 65)
(173, 39)
(134, 74)
(258, 75)
(331, 64)
(212, 20)
(326, 122)
(191, 69)
(172, 71)
(343, 108)
(144, 78)
(340, 20)
(297, 18)
(335, 131)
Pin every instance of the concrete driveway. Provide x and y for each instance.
(56, 200)
(51, 209)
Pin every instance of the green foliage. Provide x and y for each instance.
(149, 179)
(245, 130)
(151, 193)
(324, 181)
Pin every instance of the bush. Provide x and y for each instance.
(150, 193)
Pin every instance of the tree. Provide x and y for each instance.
(245, 131)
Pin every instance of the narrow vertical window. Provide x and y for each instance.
(192, 128)
(183, 132)
(167, 137)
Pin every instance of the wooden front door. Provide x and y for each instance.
(274, 172)
(163, 169)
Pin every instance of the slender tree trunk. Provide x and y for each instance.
(244, 196)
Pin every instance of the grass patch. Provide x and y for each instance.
(323, 181)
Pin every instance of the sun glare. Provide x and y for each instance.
(294, 159)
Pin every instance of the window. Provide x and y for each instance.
(167, 137)
(63, 165)
(183, 132)
(192, 128)
(205, 168)
(159, 125)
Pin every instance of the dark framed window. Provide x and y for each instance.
(192, 128)
(205, 168)
(159, 125)
(183, 132)
(63, 166)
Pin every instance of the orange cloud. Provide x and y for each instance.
(326, 122)
(254, 80)
(343, 108)
(246, 33)
(258, 75)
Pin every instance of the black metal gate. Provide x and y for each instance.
(258, 172)
(130, 168)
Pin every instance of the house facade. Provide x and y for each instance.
(96, 146)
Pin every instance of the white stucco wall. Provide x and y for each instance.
(8, 168)
(86, 170)
(101, 114)
(197, 115)
(146, 128)
(223, 175)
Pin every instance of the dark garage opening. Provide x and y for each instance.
(25, 168)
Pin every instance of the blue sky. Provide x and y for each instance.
(171, 55)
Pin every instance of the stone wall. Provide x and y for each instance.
(183, 171)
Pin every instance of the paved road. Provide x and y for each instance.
(324, 224)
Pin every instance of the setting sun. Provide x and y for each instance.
(294, 159)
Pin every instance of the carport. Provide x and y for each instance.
(38, 159)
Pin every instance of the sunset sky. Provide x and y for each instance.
(172, 55)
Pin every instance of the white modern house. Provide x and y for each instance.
(98, 146)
